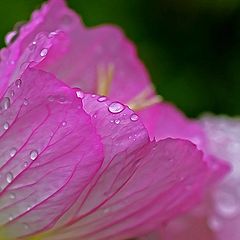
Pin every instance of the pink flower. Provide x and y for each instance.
(75, 164)
(218, 216)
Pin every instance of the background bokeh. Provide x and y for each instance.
(190, 47)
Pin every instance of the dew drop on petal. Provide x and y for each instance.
(33, 154)
(9, 177)
(13, 152)
(26, 226)
(12, 93)
(226, 204)
(25, 164)
(44, 52)
(10, 218)
(6, 103)
(18, 83)
(10, 37)
(134, 117)
(6, 126)
(102, 99)
(25, 102)
(116, 107)
(117, 121)
(52, 34)
(12, 195)
(79, 93)
(50, 98)
(64, 123)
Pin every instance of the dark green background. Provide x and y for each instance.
(191, 47)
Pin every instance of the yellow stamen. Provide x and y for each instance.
(144, 99)
(105, 77)
(136, 106)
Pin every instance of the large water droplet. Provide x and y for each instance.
(33, 154)
(13, 152)
(44, 52)
(9, 177)
(116, 107)
(134, 117)
(6, 103)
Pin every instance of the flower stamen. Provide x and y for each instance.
(105, 77)
(144, 99)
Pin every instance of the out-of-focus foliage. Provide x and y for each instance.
(191, 47)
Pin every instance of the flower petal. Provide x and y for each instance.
(140, 184)
(218, 216)
(49, 153)
(99, 52)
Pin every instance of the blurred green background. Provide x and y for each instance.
(190, 47)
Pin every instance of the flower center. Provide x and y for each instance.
(142, 100)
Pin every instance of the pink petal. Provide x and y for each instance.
(140, 184)
(74, 53)
(165, 120)
(49, 152)
(223, 140)
(218, 216)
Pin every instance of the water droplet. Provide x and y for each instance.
(18, 83)
(33, 154)
(52, 34)
(116, 107)
(6, 126)
(25, 102)
(12, 93)
(6, 103)
(12, 195)
(226, 204)
(44, 52)
(10, 37)
(10, 218)
(9, 177)
(134, 117)
(50, 98)
(28, 208)
(26, 226)
(25, 164)
(64, 123)
(61, 99)
(93, 95)
(214, 223)
(117, 121)
(102, 99)
(95, 115)
(79, 94)
(33, 45)
(13, 152)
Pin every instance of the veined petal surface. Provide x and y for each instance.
(49, 152)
